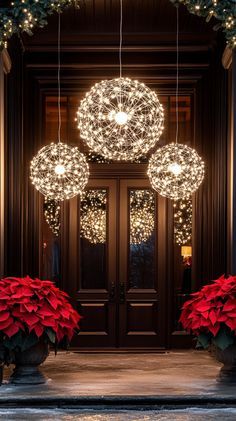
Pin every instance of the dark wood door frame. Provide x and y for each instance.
(112, 314)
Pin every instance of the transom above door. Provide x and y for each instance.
(119, 247)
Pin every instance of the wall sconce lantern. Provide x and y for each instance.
(186, 251)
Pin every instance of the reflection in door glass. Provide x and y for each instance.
(93, 235)
(142, 238)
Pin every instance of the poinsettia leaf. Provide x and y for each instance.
(203, 340)
(51, 335)
(223, 339)
(231, 323)
(212, 317)
(214, 329)
(11, 330)
(34, 307)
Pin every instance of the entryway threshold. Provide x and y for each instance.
(174, 379)
(134, 403)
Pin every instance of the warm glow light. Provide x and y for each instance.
(93, 226)
(142, 215)
(175, 168)
(185, 176)
(60, 169)
(93, 216)
(51, 210)
(120, 119)
(183, 212)
(186, 251)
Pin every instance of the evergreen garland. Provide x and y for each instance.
(24, 15)
(223, 10)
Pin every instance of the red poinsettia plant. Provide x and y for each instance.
(31, 310)
(211, 313)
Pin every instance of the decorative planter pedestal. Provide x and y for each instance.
(1, 372)
(27, 364)
(227, 373)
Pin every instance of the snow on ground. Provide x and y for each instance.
(191, 414)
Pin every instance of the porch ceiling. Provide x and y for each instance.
(149, 23)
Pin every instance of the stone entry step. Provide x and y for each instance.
(100, 403)
(170, 380)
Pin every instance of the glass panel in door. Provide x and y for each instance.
(142, 222)
(93, 239)
(141, 304)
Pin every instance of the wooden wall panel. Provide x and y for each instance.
(210, 210)
(14, 163)
(5, 67)
(24, 122)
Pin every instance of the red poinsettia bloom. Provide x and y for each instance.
(211, 308)
(31, 305)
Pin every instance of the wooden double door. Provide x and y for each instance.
(114, 257)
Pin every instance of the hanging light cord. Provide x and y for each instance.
(59, 76)
(121, 35)
(177, 74)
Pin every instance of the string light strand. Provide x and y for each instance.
(59, 76)
(177, 74)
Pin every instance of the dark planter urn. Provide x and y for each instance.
(27, 364)
(1, 372)
(1, 363)
(227, 373)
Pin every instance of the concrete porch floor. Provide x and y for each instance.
(171, 378)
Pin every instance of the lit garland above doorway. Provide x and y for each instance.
(25, 15)
(223, 10)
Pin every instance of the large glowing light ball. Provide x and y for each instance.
(120, 119)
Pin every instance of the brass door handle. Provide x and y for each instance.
(122, 292)
(112, 293)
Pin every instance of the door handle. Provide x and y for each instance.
(112, 294)
(122, 292)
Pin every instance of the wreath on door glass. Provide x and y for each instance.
(24, 15)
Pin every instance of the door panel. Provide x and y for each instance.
(141, 304)
(97, 264)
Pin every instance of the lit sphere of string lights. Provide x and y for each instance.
(120, 119)
(59, 171)
(142, 215)
(93, 226)
(141, 225)
(93, 217)
(176, 171)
